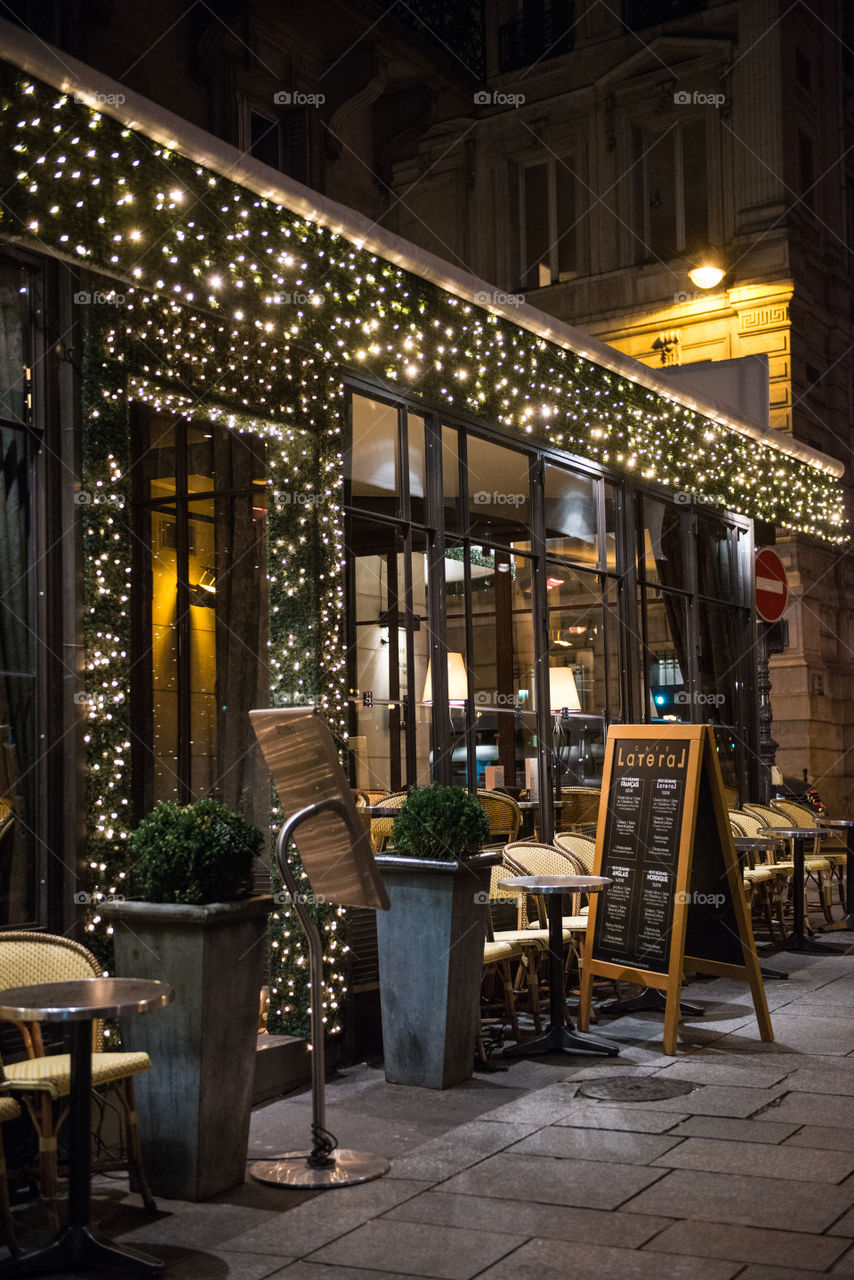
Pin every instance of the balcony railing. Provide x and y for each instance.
(535, 36)
(647, 13)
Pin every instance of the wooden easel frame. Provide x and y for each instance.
(702, 759)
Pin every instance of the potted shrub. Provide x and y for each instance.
(431, 940)
(197, 927)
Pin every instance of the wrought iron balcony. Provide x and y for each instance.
(535, 36)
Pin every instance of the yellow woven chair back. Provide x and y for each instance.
(381, 827)
(503, 814)
(736, 821)
(752, 823)
(796, 813)
(373, 795)
(515, 896)
(30, 958)
(769, 817)
(579, 848)
(578, 807)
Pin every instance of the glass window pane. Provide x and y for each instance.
(695, 187)
(371, 465)
(572, 520)
(498, 492)
(714, 570)
(660, 172)
(14, 343)
(535, 213)
(417, 476)
(665, 657)
(724, 640)
(566, 229)
(454, 518)
(610, 527)
(663, 545)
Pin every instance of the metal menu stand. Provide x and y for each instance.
(335, 851)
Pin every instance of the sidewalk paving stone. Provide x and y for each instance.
(749, 1244)
(440, 1158)
(824, 1110)
(593, 1226)
(815, 1136)
(592, 1184)
(590, 1114)
(736, 1130)
(748, 1201)
(457, 1254)
(595, 1144)
(543, 1259)
(720, 1156)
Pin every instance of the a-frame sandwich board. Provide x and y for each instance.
(677, 898)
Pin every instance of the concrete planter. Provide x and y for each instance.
(431, 960)
(194, 1105)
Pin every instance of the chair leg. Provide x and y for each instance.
(137, 1168)
(509, 998)
(40, 1109)
(5, 1206)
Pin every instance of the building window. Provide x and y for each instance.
(673, 191)
(539, 32)
(282, 136)
(200, 614)
(549, 221)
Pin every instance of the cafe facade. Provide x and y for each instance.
(258, 452)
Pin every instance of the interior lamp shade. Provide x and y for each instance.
(458, 684)
(563, 693)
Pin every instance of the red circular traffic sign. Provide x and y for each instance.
(770, 585)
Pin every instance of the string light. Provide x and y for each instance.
(232, 308)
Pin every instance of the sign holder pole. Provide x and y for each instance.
(325, 1165)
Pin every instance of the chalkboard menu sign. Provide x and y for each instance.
(676, 899)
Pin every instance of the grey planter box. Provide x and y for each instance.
(194, 1105)
(431, 961)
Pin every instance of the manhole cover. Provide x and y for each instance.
(635, 1089)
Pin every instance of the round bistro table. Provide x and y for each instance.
(79, 1002)
(846, 825)
(798, 940)
(561, 1036)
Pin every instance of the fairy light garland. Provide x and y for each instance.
(224, 304)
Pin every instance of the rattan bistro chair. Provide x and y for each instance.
(381, 827)
(577, 810)
(816, 865)
(504, 815)
(42, 1079)
(836, 855)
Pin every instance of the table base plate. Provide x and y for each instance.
(81, 1248)
(847, 922)
(562, 1040)
(651, 998)
(347, 1170)
(797, 942)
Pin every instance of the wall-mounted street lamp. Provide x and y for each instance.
(707, 273)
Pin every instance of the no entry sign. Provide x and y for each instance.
(771, 588)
